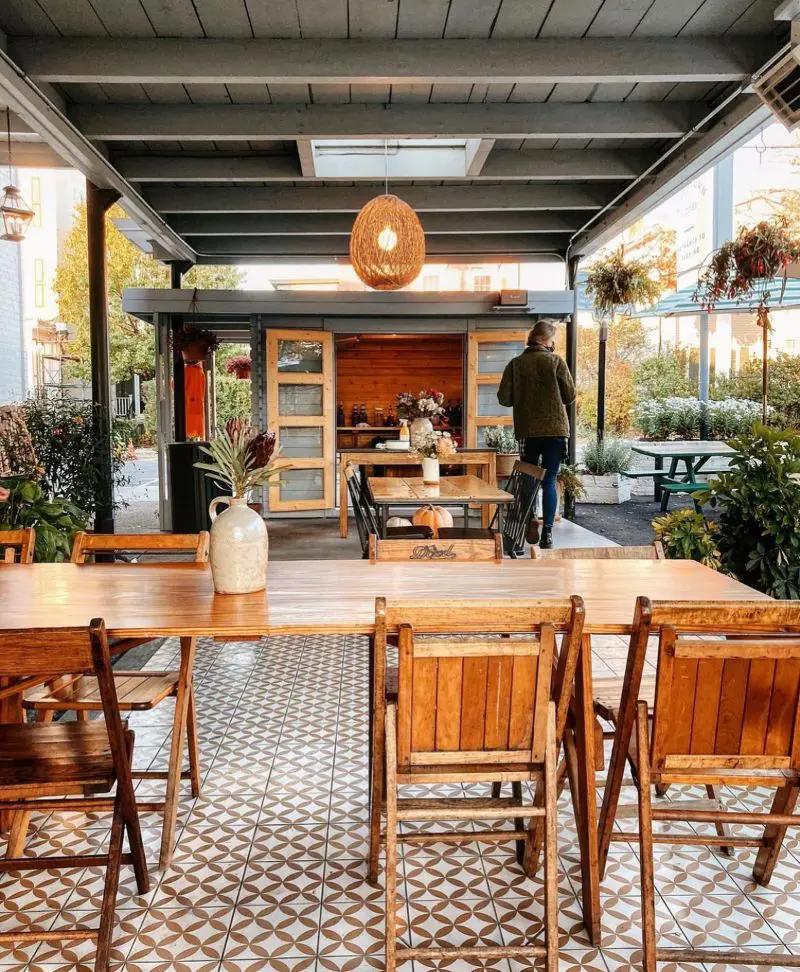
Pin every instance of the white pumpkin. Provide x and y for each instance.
(398, 521)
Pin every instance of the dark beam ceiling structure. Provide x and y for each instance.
(254, 130)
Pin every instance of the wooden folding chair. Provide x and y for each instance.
(431, 551)
(472, 709)
(652, 551)
(40, 765)
(726, 713)
(17, 546)
(139, 691)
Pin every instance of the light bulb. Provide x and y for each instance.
(387, 238)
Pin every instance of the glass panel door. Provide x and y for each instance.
(300, 412)
(488, 354)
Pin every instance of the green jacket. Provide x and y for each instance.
(538, 386)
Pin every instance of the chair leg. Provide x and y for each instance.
(130, 815)
(519, 822)
(721, 828)
(784, 801)
(378, 783)
(192, 743)
(106, 931)
(496, 790)
(390, 877)
(550, 845)
(18, 833)
(646, 843)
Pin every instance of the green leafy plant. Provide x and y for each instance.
(680, 418)
(501, 438)
(758, 506)
(571, 483)
(662, 376)
(69, 450)
(784, 392)
(606, 456)
(615, 282)
(242, 459)
(56, 520)
(687, 535)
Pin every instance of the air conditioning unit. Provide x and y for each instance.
(779, 88)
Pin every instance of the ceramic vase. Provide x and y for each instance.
(239, 547)
(420, 427)
(430, 472)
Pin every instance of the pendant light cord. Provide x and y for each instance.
(386, 165)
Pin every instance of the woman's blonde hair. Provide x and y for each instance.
(544, 329)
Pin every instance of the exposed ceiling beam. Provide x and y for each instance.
(305, 155)
(553, 60)
(325, 246)
(25, 99)
(341, 224)
(533, 164)
(477, 152)
(36, 155)
(667, 119)
(349, 199)
(735, 128)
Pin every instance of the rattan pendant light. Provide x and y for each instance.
(15, 213)
(387, 243)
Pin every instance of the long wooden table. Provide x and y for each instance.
(483, 460)
(331, 597)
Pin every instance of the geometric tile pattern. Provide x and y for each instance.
(269, 864)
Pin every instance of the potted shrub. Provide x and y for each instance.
(240, 366)
(604, 461)
(194, 343)
(687, 535)
(570, 488)
(501, 438)
(23, 503)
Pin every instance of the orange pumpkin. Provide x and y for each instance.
(433, 517)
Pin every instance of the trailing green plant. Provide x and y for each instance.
(70, 450)
(615, 282)
(603, 457)
(55, 520)
(571, 483)
(758, 505)
(501, 438)
(687, 535)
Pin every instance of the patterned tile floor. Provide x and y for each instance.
(269, 867)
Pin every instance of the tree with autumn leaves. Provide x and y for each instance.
(131, 340)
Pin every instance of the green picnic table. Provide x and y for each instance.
(692, 456)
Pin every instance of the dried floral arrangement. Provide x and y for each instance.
(434, 445)
(242, 459)
(428, 404)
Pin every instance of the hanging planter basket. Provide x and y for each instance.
(194, 343)
(240, 366)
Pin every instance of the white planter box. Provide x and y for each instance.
(613, 488)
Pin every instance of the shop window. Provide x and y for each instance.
(482, 282)
(38, 283)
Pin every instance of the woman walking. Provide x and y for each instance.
(538, 386)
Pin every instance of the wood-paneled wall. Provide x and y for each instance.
(374, 368)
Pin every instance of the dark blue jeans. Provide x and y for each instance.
(546, 451)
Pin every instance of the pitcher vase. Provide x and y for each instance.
(239, 547)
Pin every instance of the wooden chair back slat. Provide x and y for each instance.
(490, 616)
(653, 551)
(17, 546)
(87, 545)
(729, 699)
(479, 702)
(431, 551)
(45, 652)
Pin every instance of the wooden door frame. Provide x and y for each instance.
(326, 421)
(474, 379)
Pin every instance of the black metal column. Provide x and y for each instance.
(572, 354)
(601, 381)
(176, 272)
(98, 202)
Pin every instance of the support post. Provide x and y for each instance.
(722, 230)
(176, 272)
(98, 202)
(601, 381)
(572, 364)
(704, 375)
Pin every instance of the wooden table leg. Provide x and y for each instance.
(587, 793)
(176, 750)
(10, 711)
(489, 475)
(343, 520)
